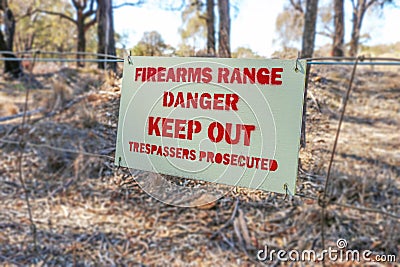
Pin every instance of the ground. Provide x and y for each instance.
(86, 211)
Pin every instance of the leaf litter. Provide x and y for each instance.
(89, 213)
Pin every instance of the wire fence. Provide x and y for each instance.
(362, 60)
(324, 199)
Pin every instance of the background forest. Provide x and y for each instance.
(88, 26)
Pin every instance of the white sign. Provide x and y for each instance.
(229, 121)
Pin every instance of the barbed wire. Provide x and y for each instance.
(63, 60)
(370, 61)
(41, 52)
(85, 153)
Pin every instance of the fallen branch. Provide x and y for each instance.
(60, 110)
(228, 222)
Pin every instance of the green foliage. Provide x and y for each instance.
(390, 50)
(289, 25)
(325, 20)
(91, 40)
(151, 44)
(35, 30)
(185, 50)
(194, 25)
(286, 52)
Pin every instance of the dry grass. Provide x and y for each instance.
(88, 213)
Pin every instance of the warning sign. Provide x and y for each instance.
(229, 121)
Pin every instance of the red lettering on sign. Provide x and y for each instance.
(249, 73)
(206, 73)
(170, 75)
(153, 126)
(236, 76)
(276, 74)
(173, 128)
(220, 132)
(181, 74)
(167, 126)
(261, 76)
(180, 126)
(161, 74)
(223, 75)
(151, 74)
(205, 101)
(238, 160)
(216, 132)
(247, 131)
(194, 74)
(218, 102)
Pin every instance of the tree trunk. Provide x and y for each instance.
(111, 38)
(224, 42)
(81, 45)
(12, 67)
(102, 30)
(338, 38)
(358, 15)
(307, 50)
(105, 32)
(9, 23)
(210, 28)
(6, 42)
(310, 18)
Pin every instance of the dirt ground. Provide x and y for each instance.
(86, 212)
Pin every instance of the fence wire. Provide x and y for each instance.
(106, 58)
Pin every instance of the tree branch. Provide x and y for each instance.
(325, 34)
(61, 15)
(203, 17)
(370, 3)
(76, 4)
(138, 4)
(88, 13)
(90, 24)
(354, 4)
(91, 5)
(172, 8)
(297, 6)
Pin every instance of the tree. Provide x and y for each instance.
(85, 18)
(310, 19)
(307, 50)
(185, 50)
(194, 25)
(105, 33)
(244, 52)
(34, 30)
(7, 39)
(338, 37)
(359, 9)
(199, 22)
(224, 43)
(289, 24)
(151, 44)
(210, 20)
